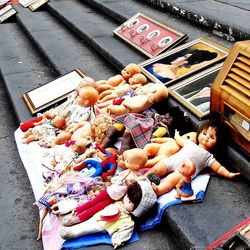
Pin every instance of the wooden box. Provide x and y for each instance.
(230, 94)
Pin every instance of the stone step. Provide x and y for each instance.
(225, 18)
(22, 68)
(63, 50)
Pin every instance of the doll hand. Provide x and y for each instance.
(233, 175)
(176, 133)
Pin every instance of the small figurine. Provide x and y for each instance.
(184, 188)
(207, 137)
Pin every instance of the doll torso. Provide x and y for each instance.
(200, 157)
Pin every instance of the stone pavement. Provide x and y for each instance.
(37, 47)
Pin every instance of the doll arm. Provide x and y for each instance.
(161, 139)
(180, 141)
(220, 170)
(122, 235)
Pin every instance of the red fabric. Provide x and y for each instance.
(30, 124)
(93, 206)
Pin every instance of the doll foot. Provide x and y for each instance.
(70, 220)
(66, 233)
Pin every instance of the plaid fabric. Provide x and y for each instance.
(139, 126)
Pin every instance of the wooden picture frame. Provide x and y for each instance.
(6, 12)
(194, 92)
(37, 4)
(149, 36)
(180, 62)
(52, 92)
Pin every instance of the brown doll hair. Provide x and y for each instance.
(134, 193)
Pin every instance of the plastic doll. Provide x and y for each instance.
(207, 138)
(184, 188)
(100, 126)
(75, 131)
(130, 70)
(116, 218)
(134, 160)
(138, 79)
(147, 95)
(87, 96)
(45, 131)
(165, 146)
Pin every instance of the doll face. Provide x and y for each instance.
(134, 159)
(207, 138)
(130, 70)
(128, 205)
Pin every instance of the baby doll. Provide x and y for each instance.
(207, 138)
(130, 70)
(116, 218)
(45, 131)
(75, 131)
(147, 95)
(134, 160)
(165, 146)
(137, 80)
(183, 188)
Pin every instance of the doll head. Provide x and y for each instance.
(187, 168)
(140, 198)
(87, 96)
(130, 70)
(100, 126)
(87, 81)
(208, 135)
(135, 159)
(58, 121)
(138, 78)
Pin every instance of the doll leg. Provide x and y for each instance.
(152, 149)
(160, 169)
(117, 110)
(28, 139)
(103, 195)
(112, 135)
(87, 227)
(168, 183)
(127, 141)
(93, 210)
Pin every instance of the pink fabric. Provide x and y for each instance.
(51, 236)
